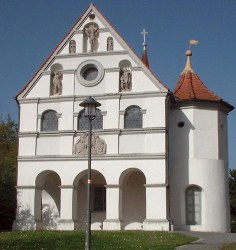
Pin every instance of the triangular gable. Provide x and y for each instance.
(78, 25)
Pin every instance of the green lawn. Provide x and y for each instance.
(126, 240)
(229, 247)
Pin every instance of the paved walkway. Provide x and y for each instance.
(208, 241)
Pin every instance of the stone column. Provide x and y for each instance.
(113, 205)
(25, 216)
(66, 221)
(156, 208)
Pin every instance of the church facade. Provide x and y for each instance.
(159, 158)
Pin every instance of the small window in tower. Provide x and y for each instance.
(180, 124)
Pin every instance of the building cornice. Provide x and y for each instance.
(107, 157)
(109, 96)
(92, 54)
(59, 133)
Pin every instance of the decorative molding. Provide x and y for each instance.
(101, 30)
(110, 96)
(121, 112)
(155, 185)
(92, 54)
(64, 72)
(143, 130)
(58, 115)
(25, 187)
(28, 134)
(130, 95)
(109, 70)
(99, 132)
(66, 186)
(143, 111)
(112, 186)
(160, 156)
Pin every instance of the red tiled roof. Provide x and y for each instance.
(191, 87)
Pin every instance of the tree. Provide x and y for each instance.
(232, 195)
(8, 166)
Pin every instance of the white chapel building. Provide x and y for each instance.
(159, 157)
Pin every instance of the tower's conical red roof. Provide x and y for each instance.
(191, 87)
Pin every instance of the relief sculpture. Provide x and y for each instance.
(98, 145)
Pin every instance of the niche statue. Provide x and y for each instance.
(92, 32)
(125, 79)
(57, 83)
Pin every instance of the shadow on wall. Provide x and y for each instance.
(25, 219)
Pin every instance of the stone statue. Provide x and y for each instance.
(72, 47)
(110, 43)
(125, 79)
(57, 83)
(92, 31)
(98, 145)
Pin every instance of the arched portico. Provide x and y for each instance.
(47, 199)
(133, 201)
(98, 200)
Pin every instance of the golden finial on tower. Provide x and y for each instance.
(189, 54)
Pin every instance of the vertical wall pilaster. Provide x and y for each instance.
(113, 206)
(66, 219)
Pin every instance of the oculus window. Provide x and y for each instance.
(90, 73)
(133, 117)
(49, 121)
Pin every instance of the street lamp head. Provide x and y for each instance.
(89, 105)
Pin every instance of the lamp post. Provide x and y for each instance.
(89, 105)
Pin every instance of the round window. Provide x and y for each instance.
(90, 73)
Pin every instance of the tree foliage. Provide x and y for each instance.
(232, 195)
(8, 166)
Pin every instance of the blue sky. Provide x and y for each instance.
(30, 30)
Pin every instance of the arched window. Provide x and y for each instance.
(97, 123)
(193, 205)
(49, 121)
(133, 117)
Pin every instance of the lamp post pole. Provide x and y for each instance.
(89, 105)
(88, 230)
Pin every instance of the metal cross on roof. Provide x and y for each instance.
(144, 33)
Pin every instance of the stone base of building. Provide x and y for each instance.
(111, 225)
(67, 225)
(156, 225)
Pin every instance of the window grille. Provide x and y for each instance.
(97, 123)
(133, 117)
(99, 199)
(49, 121)
(193, 205)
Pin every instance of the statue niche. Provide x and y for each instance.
(125, 79)
(91, 31)
(72, 47)
(57, 83)
(98, 145)
(56, 78)
(110, 44)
